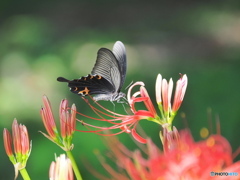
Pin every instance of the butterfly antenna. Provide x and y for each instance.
(113, 106)
(124, 100)
(129, 85)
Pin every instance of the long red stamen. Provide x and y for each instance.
(126, 123)
(105, 109)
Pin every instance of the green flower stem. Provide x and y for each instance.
(24, 174)
(161, 110)
(74, 165)
(173, 114)
(169, 128)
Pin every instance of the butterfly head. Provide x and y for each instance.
(118, 96)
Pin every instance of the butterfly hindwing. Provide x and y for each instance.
(90, 85)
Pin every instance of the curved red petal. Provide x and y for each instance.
(144, 113)
(137, 137)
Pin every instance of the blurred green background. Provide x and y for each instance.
(41, 40)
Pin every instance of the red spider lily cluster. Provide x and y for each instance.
(128, 123)
(67, 123)
(164, 96)
(182, 158)
(19, 141)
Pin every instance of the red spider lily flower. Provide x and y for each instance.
(20, 138)
(67, 123)
(21, 145)
(20, 142)
(144, 97)
(126, 123)
(170, 139)
(65, 117)
(185, 159)
(163, 91)
(61, 169)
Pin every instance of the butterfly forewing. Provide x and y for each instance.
(107, 66)
(120, 53)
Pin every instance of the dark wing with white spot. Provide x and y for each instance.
(120, 53)
(107, 66)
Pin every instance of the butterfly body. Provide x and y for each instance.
(107, 76)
